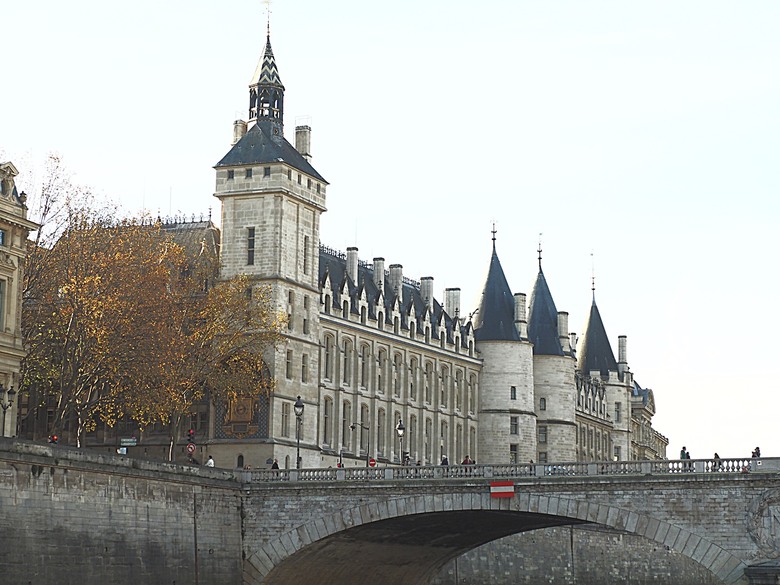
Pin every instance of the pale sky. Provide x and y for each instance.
(641, 139)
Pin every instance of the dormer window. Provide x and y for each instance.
(266, 171)
(248, 174)
(231, 174)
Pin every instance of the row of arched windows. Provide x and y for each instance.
(397, 377)
(377, 437)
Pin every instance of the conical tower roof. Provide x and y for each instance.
(543, 319)
(495, 318)
(266, 72)
(595, 352)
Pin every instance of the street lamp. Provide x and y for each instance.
(6, 405)
(353, 426)
(400, 428)
(298, 408)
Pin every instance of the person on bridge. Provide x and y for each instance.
(210, 462)
(445, 461)
(275, 464)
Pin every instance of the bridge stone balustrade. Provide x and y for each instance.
(79, 517)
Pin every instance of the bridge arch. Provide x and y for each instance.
(407, 539)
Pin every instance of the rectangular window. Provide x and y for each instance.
(514, 427)
(617, 453)
(2, 304)
(231, 174)
(542, 457)
(306, 254)
(288, 368)
(617, 412)
(542, 434)
(308, 183)
(286, 419)
(513, 393)
(542, 404)
(2, 237)
(299, 178)
(305, 368)
(248, 174)
(266, 171)
(250, 246)
(289, 175)
(513, 453)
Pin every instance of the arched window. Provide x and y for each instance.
(327, 303)
(347, 363)
(445, 386)
(458, 389)
(327, 421)
(428, 381)
(381, 362)
(329, 345)
(364, 365)
(380, 320)
(413, 371)
(410, 440)
(346, 421)
(473, 395)
(240, 462)
(443, 436)
(363, 315)
(397, 374)
(542, 404)
(364, 428)
(345, 310)
(381, 424)
(428, 438)
(396, 325)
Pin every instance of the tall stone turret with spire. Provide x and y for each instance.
(272, 199)
(554, 386)
(596, 362)
(507, 423)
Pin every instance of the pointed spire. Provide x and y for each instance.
(595, 352)
(266, 92)
(494, 319)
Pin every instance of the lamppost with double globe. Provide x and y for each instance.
(298, 408)
(400, 428)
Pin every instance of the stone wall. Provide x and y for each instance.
(573, 555)
(73, 520)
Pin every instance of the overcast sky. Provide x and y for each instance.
(641, 139)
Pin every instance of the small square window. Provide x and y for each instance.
(249, 173)
(231, 174)
(266, 171)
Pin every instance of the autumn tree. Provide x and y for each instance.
(210, 346)
(89, 314)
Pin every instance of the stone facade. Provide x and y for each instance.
(14, 229)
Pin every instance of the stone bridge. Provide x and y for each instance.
(79, 517)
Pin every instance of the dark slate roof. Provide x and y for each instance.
(495, 318)
(595, 353)
(543, 319)
(260, 146)
(267, 73)
(333, 265)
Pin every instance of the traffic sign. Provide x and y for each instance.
(190, 448)
(372, 462)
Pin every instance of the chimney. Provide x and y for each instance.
(352, 264)
(520, 318)
(379, 273)
(426, 291)
(239, 129)
(396, 279)
(563, 331)
(622, 362)
(303, 141)
(452, 301)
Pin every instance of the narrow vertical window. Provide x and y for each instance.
(542, 404)
(513, 425)
(542, 434)
(250, 246)
(288, 366)
(285, 419)
(327, 420)
(305, 368)
(306, 254)
(248, 174)
(266, 171)
(513, 454)
(617, 412)
(513, 393)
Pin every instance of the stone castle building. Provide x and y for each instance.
(366, 347)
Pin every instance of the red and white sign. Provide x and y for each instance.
(502, 489)
(372, 462)
(190, 448)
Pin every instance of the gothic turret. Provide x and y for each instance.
(595, 353)
(543, 318)
(495, 318)
(266, 92)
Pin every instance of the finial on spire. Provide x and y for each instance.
(493, 231)
(539, 250)
(592, 276)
